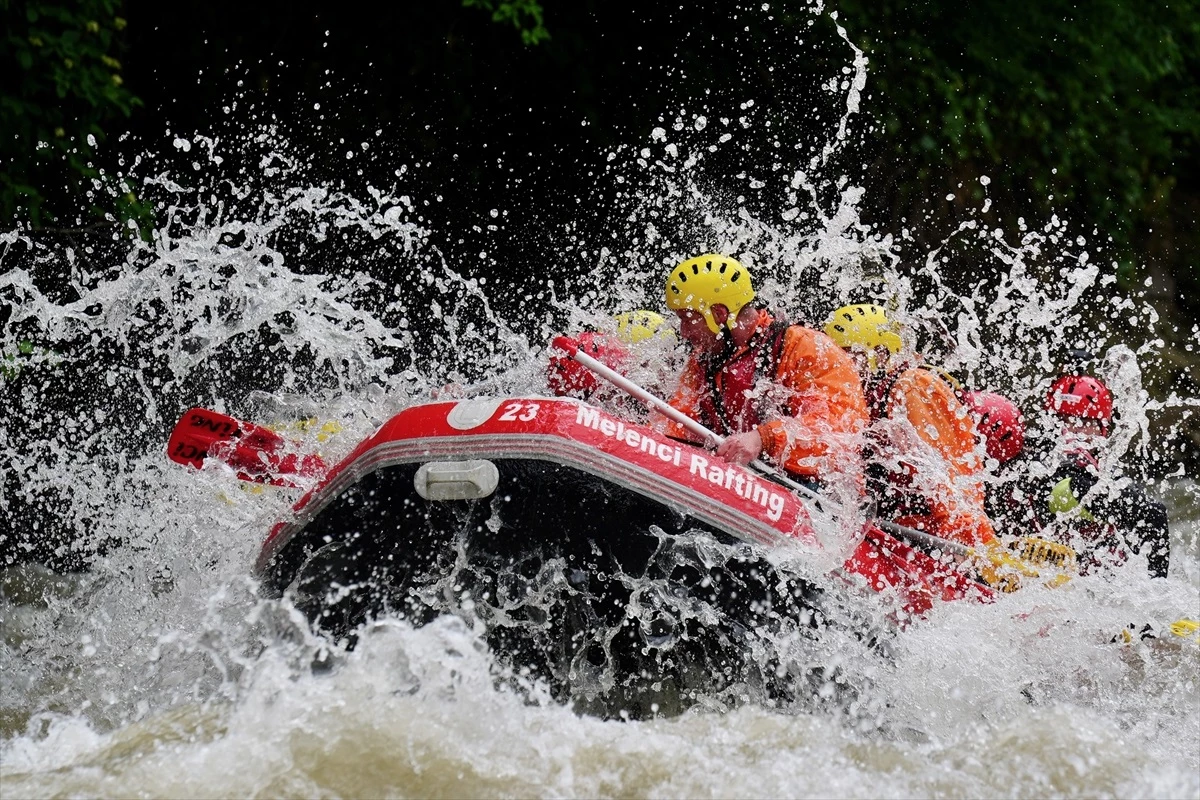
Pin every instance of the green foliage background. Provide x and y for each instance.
(63, 96)
(1090, 107)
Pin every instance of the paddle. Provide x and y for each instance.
(256, 453)
(1001, 570)
(712, 439)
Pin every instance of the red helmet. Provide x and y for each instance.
(999, 422)
(1080, 396)
(566, 377)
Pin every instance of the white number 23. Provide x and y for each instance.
(519, 411)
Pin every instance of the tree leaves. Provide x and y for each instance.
(65, 84)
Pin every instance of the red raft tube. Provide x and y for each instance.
(597, 553)
(452, 453)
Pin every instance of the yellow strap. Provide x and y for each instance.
(1000, 570)
(1043, 551)
(304, 426)
(1187, 629)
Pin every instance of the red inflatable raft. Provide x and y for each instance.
(598, 553)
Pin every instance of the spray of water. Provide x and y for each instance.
(151, 662)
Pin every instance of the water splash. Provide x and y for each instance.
(162, 666)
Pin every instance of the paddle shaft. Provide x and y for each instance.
(712, 439)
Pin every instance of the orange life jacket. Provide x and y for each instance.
(798, 388)
(945, 498)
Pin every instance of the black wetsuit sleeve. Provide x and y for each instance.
(1016, 501)
(1144, 521)
(1141, 520)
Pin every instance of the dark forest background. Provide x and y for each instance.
(1085, 110)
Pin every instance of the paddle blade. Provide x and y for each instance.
(918, 579)
(198, 431)
(256, 453)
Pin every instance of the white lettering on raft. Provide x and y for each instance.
(732, 478)
(590, 418)
(741, 483)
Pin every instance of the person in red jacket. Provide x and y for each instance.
(782, 391)
(566, 377)
(925, 471)
(1086, 501)
(637, 332)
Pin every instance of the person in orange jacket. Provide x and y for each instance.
(924, 469)
(782, 391)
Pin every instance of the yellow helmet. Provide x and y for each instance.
(640, 325)
(702, 282)
(863, 327)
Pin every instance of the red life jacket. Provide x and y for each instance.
(733, 405)
(892, 489)
(877, 390)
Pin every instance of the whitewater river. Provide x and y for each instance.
(122, 685)
(159, 671)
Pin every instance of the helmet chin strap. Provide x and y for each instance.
(728, 347)
(725, 322)
(1084, 435)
